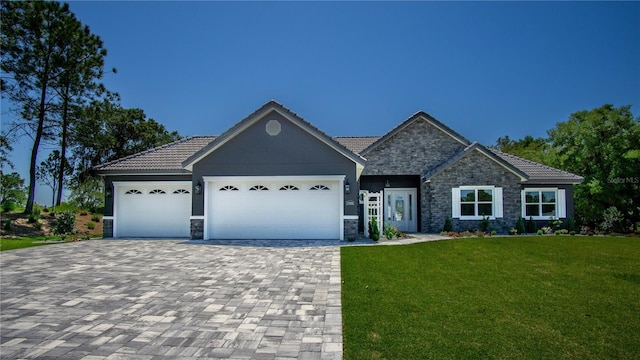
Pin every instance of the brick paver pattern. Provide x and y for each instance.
(169, 299)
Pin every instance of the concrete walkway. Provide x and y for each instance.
(168, 299)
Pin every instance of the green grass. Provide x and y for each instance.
(19, 243)
(493, 298)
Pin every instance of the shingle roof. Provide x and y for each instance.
(539, 173)
(167, 158)
(356, 143)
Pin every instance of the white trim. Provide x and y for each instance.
(196, 217)
(350, 217)
(107, 218)
(561, 203)
(496, 210)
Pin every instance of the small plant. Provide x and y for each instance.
(391, 231)
(557, 232)
(36, 210)
(37, 225)
(554, 223)
(45, 210)
(84, 213)
(374, 231)
(493, 232)
(8, 206)
(563, 231)
(539, 232)
(91, 225)
(547, 230)
(95, 218)
(32, 218)
(65, 224)
(611, 220)
(484, 224)
(520, 226)
(479, 234)
(513, 231)
(447, 225)
(6, 225)
(572, 232)
(531, 226)
(571, 224)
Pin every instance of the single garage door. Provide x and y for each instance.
(274, 208)
(158, 209)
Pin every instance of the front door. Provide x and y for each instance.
(400, 209)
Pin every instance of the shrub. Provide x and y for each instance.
(8, 206)
(46, 209)
(513, 231)
(547, 230)
(36, 210)
(572, 232)
(65, 223)
(557, 232)
(374, 231)
(612, 219)
(520, 226)
(563, 231)
(479, 234)
(91, 225)
(37, 225)
(571, 224)
(32, 218)
(555, 223)
(447, 225)
(493, 232)
(531, 226)
(83, 213)
(6, 225)
(391, 231)
(539, 232)
(484, 224)
(95, 218)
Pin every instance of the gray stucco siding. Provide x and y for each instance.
(417, 148)
(292, 152)
(474, 169)
(109, 180)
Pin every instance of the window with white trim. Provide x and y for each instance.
(543, 203)
(476, 202)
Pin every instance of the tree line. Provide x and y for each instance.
(603, 146)
(52, 67)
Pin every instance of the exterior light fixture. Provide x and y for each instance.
(387, 184)
(347, 187)
(108, 192)
(198, 188)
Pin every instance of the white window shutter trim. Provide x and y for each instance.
(562, 203)
(523, 200)
(455, 203)
(498, 203)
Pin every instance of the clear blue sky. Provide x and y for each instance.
(486, 69)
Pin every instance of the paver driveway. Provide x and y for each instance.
(138, 299)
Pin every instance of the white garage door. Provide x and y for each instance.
(274, 208)
(152, 209)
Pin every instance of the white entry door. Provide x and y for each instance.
(400, 209)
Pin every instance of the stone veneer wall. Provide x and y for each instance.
(411, 151)
(475, 169)
(350, 229)
(107, 228)
(197, 229)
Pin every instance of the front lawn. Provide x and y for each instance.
(25, 242)
(505, 297)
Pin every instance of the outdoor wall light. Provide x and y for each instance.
(387, 184)
(108, 192)
(198, 188)
(347, 187)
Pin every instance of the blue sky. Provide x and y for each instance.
(486, 69)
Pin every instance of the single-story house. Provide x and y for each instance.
(274, 175)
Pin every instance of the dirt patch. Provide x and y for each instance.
(20, 226)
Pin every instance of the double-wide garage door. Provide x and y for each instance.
(158, 209)
(273, 208)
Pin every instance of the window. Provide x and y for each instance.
(289, 187)
(319, 187)
(258, 188)
(133, 191)
(181, 191)
(229, 188)
(476, 202)
(157, 191)
(543, 203)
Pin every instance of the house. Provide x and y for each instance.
(274, 175)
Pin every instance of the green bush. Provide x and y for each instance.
(612, 219)
(374, 231)
(493, 232)
(95, 218)
(572, 232)
(484, 224)
(8, 206)
(37, 225)
(65, 223)
(539, 232)
(520, 226)
(531, 226)
(32, 218)
(513, 231)
(571, 224)
(448, 227)
(6, 225)
(91, 225)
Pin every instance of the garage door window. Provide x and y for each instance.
(258, 188)
(229, 188)
(181, 191)
(157, 191)
(133, 192)
(289, 187)
(319, 187)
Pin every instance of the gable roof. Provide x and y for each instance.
(413, 118)
(429, 174)
(539, 173)
(356, 143)
(165, 159)
(259, 114)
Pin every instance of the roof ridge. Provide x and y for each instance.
(530, 161)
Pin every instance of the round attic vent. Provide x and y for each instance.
(273, 127)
